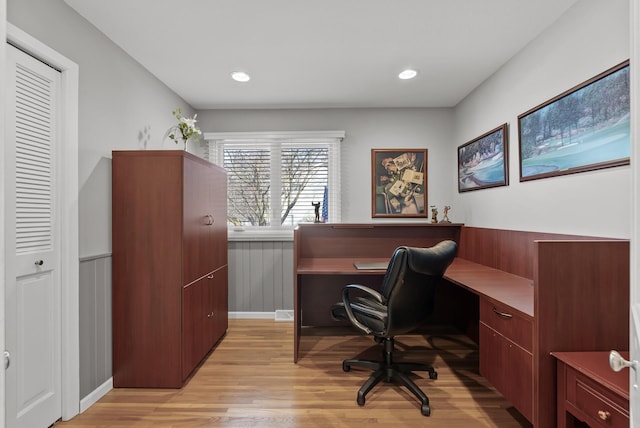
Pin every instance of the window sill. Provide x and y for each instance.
(260, 235)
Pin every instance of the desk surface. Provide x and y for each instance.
(596, 366)
(502, 287)
(499, 286)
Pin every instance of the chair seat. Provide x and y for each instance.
(367, 311)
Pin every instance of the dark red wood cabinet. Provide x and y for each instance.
(506, 353)
(170, 275)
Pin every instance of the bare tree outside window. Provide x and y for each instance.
(248, 187)
(303, 177)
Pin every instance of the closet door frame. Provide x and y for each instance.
(68, 200)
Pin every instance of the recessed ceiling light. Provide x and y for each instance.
(240, 76)
(408, 74)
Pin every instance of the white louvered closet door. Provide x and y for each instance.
(33, 319)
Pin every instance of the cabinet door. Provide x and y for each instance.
(195, 325)
(198, 220)
(218, 209)
(216, 306)
(508, 367)
(492, 357)
(220, 305)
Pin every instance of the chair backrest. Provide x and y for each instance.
(409, 284)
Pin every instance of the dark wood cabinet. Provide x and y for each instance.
(169, 243)
(506, 346)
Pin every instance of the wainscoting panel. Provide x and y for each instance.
(260, 280)
(95, 322)
(260, 276)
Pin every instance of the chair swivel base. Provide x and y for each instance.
(392, 372)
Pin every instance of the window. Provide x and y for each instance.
(277, 180)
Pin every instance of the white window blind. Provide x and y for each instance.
(277, 180)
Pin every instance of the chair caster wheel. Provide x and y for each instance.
(360, 400)
(433, 375)
(346, 367)
(425, 410)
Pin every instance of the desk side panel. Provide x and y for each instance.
(581, 304)
(507, 250)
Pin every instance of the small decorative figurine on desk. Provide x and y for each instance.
(434, 214)
(445, 215)
(316, 205)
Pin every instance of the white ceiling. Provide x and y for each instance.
(321, 53)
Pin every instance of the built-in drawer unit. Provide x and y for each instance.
(506, 360)
(590, 391)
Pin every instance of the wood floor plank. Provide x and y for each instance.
(250, 380)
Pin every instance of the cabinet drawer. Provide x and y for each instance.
(508, 323)
(598, 404)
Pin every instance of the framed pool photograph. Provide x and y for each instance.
(484, 161)
(398, 182)
(583, 129)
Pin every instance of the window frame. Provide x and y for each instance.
(276, 232)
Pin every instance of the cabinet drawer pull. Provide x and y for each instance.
(209, 220)
(501, 314)
(604, 415)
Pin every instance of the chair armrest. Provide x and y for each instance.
(347, 305)
(371, 292)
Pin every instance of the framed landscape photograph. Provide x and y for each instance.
(483, 162)
(583, 129)
(398, 183)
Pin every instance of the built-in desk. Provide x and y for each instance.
(324, 256)
(532, 293)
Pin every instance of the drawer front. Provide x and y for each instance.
(508, 323)
(598, 404)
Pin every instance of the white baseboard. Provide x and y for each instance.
(284, 315)
(96, 394)
(278, 315)
(251, 315)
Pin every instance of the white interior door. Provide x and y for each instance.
(32, 297)
(634, 342)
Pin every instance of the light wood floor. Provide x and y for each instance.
(250, 380)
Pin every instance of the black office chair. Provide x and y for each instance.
(406, 301)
